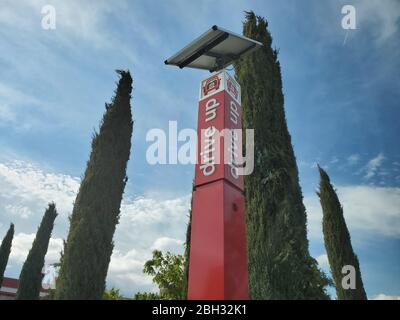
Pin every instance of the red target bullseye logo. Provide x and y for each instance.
(211, 85)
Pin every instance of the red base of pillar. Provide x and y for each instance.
(218, 253)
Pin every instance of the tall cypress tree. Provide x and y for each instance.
(280, 266)
(97, 207)
(5, 250)
(30, 279)
(337, 241)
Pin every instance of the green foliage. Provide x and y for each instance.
(96, 210)
(337, 240)
(280, 266)
(147, 296)
(168, 273)
(30, 279)
(113, 294)
(5, 250)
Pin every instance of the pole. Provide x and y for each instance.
(218, 249)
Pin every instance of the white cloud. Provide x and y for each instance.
(25, 188)
(19, 210)
(34, 58)
(125, 272)
(77, 22)
(14, 96)
(315, 164)
(126, 269)
(147, 223)
(18, 109)
(22, 243)
(334, 160)
(373, 165)
(383, 296)
(145, 210)
(381, 16)
(155, 221)
(82, 20)
(353, 159)
(367, 209)
(169, 244)
(323, 260)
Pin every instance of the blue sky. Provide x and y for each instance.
(341, 99)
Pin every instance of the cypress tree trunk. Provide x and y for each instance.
(337, 241)
(97, 207)
(280, 266)
(5, 250)
(30, 279)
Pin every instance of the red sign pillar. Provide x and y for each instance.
(218, 249)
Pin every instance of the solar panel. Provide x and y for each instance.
(213, 50)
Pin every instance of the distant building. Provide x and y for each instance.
(9, 287)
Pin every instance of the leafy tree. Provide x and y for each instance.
(168, 273)
(5, 250)
(280, 266)
(113, 294)
(89, 245)
(30, 279)
(147, 296)
(337, 240)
